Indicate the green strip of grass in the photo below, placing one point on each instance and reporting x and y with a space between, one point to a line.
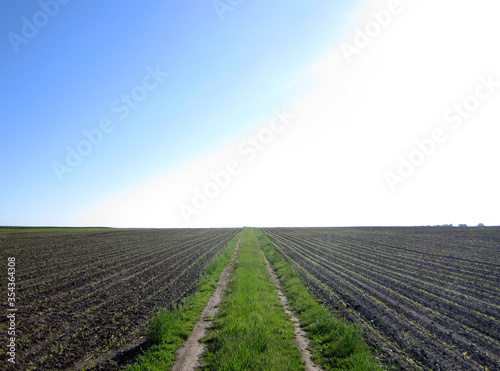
251 330
169 328
334 343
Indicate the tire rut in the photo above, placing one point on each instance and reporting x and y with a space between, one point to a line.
301 341
189 354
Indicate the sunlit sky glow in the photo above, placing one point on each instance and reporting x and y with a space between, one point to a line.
273 113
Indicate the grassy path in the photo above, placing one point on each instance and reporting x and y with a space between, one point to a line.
251 331
254 328
301 341
335 344
188 355
169 329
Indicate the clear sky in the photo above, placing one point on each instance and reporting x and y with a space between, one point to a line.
264 113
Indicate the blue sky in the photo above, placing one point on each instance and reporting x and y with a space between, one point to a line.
217 78
223 74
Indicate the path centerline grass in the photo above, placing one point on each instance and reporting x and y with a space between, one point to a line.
251 330
254 328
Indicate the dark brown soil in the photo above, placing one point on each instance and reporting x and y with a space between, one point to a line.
426 298
188 356
84 296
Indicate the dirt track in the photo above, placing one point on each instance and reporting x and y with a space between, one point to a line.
301 341
188 356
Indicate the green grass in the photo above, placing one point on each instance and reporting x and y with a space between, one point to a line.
335 344
251 330
169 328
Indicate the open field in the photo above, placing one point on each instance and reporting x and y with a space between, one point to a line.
427 298
83 293
254 329
173 333
424 297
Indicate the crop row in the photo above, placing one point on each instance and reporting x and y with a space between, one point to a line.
87 293
436 308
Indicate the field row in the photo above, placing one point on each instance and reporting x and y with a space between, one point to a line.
84 293
437 306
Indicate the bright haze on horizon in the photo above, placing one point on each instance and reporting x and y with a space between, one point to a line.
264 113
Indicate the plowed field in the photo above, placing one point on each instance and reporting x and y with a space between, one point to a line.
85 293
427 298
